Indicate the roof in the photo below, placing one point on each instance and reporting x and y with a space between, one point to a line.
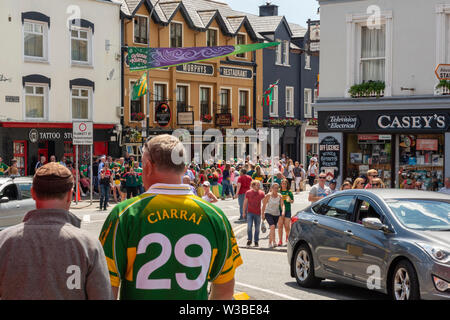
391 194
201 13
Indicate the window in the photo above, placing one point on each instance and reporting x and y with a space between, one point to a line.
141 30
307 61
338 207
289 101
81 47
316 96
182 99
278 53
176 35
225 95
365 209
35 40
373 54
35 101
81 101
25 190
211 38
243 103
240 39
274 106
135 105
159 95
308 103
205 101
286 52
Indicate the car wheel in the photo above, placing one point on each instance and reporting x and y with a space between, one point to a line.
404 282
304 268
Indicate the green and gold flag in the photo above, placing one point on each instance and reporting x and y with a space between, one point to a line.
140 88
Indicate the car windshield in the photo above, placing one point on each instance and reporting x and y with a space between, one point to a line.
422 214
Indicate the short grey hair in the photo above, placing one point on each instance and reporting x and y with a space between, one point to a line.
166 152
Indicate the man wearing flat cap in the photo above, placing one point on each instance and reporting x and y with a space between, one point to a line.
48 256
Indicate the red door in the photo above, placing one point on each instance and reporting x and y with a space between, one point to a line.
43 150
100 148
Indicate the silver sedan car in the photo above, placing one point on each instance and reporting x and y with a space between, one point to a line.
15 200
392 241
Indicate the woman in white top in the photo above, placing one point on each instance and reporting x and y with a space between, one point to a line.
272 204
313 171
209 196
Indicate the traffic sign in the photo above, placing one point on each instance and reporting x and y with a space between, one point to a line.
443 72
83 133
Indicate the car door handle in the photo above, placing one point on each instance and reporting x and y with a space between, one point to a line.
349 233
316 222
18 206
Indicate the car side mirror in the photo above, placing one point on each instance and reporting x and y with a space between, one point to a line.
373 224
4 200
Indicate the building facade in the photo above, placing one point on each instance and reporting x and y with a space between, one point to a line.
223 93
62 65
378 107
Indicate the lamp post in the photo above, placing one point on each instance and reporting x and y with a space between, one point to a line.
148 71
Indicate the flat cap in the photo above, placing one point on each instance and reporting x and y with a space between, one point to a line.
52 178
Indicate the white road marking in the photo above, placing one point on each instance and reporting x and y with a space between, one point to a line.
87 218
267 291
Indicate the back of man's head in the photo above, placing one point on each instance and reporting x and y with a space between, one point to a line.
166 152
52 182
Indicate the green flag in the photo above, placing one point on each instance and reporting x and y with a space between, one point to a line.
268 95
140 88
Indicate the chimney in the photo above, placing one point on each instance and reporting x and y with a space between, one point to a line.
268 10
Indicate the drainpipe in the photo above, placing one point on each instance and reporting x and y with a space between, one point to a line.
254 88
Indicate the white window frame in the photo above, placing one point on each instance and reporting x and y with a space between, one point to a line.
154 97
211 102
307 61
248 104
217 35
46 100
230 98
182 32
90 103
90 41
354 24
44 39
290 110
146 31
246 42
286 53
316 96
188 98
130 97
307 103
274 111
279 54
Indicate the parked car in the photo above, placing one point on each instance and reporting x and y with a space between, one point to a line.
15 200
392 241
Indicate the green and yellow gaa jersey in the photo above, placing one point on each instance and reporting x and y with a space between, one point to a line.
167 244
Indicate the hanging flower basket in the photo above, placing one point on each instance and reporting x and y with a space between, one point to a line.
289 122
138 116
245 119
206 118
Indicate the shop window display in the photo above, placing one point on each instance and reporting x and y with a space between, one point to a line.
421 162
369 151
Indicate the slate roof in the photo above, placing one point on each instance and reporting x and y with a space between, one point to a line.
201 13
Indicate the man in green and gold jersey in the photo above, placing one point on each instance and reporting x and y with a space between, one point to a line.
167 243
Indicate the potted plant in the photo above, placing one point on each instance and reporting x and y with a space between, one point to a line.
368 89
445 85
206 118
137 116
244 119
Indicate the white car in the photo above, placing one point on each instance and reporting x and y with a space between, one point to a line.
15 200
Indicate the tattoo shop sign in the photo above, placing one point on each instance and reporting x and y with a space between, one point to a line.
329 155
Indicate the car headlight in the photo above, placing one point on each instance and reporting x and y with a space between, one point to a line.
441 285
438 254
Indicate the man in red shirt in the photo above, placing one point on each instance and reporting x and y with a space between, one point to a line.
243 185
252 206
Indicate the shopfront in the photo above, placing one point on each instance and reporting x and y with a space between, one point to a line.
26 142
409 148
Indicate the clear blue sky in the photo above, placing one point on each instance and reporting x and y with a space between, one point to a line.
296 11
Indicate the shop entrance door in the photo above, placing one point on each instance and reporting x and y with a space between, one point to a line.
43 150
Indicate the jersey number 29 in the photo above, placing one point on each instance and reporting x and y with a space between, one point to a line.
203 261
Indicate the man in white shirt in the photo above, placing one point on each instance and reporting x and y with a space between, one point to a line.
446 189
320 190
